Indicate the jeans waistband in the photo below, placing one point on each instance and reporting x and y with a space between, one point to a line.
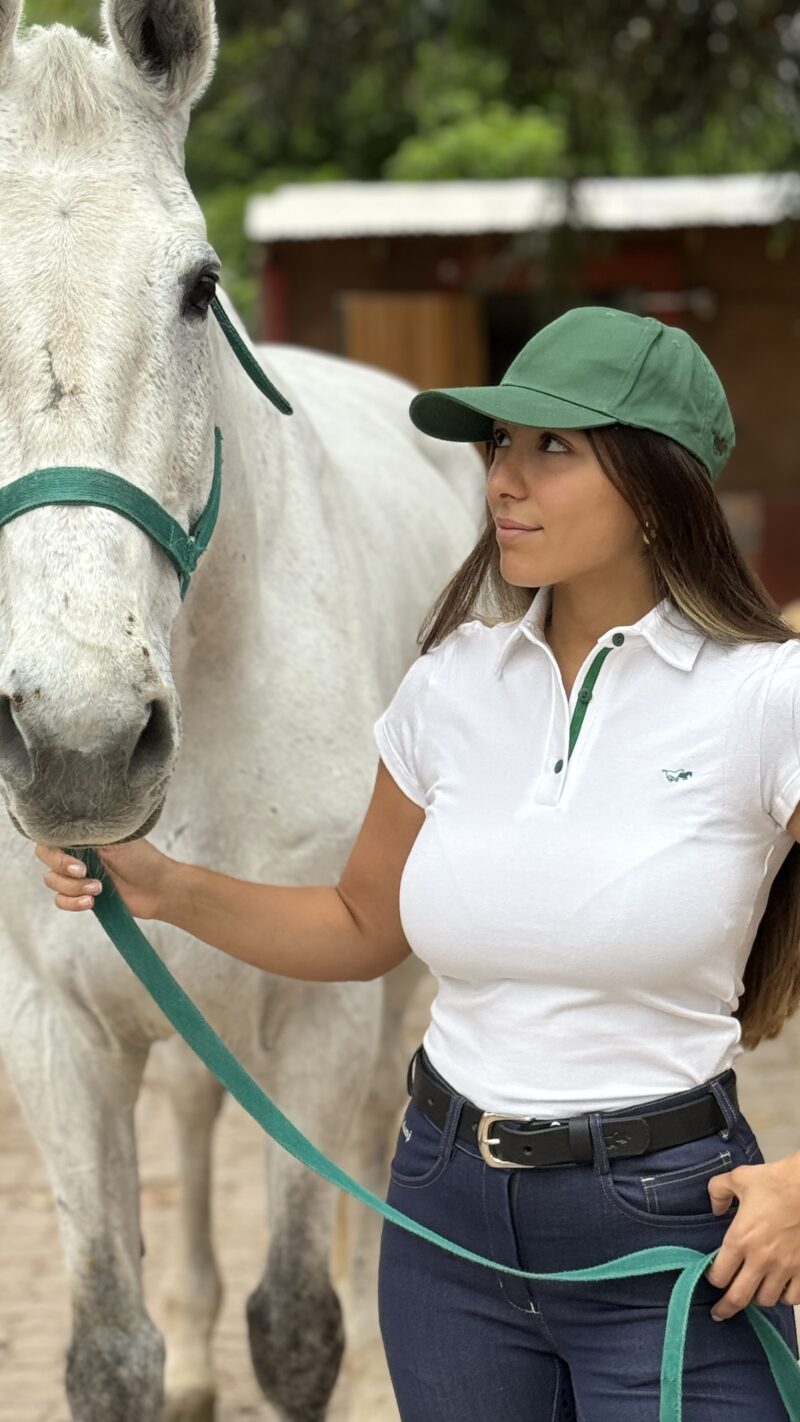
506 1140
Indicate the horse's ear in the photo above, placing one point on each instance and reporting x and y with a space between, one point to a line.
10 14
171 44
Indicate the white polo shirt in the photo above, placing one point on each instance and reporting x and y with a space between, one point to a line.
588 913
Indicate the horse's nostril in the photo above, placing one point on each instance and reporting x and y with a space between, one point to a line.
15 758
155 744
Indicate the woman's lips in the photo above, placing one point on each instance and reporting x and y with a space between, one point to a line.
505 535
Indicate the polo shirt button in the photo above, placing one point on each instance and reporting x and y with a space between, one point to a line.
584 696
618 639
559 765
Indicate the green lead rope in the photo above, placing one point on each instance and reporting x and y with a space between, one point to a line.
187 1019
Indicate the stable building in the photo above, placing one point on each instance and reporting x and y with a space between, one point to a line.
443 282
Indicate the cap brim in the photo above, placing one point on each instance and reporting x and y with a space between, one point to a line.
467 413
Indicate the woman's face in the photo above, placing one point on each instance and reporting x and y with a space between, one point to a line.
551 481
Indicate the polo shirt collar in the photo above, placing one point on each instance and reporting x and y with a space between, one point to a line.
669 632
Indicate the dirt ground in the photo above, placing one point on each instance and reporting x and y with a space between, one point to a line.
34 1314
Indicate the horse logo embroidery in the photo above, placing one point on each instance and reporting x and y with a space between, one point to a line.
678 774
407 1132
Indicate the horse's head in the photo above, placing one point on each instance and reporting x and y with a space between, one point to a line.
105 281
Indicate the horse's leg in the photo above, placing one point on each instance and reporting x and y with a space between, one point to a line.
194 1291
319 1066
78 1097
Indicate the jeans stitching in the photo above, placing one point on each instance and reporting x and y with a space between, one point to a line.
488 1220
652 1184
660 1220
539 1312
419 1182
651 1197
557 1393
534 1311
688 1172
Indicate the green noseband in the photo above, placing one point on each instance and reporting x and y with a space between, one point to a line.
73 484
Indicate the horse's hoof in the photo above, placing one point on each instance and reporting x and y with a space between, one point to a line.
296 1347
194 1406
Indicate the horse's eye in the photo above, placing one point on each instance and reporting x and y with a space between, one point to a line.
198 299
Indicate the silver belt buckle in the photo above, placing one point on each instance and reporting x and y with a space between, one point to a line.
485 1141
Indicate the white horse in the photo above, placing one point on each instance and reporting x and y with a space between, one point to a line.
339 526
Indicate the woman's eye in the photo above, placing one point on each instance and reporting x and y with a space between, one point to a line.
197 301
551 438
499 439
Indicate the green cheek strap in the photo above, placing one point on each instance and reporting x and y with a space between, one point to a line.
78 484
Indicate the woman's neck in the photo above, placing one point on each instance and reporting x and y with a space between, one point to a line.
577 619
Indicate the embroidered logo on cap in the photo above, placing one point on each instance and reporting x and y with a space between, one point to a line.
720 444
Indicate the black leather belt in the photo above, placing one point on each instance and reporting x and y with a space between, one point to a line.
553 1142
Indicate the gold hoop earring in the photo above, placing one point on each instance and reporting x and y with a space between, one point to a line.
647 540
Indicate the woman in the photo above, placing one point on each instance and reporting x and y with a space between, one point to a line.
586 811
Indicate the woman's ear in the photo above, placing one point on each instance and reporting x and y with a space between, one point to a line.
170 45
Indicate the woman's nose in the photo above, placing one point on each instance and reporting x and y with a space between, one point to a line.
507 476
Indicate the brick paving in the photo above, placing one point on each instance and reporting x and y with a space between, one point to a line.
33 1303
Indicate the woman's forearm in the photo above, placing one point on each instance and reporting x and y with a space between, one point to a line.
298 932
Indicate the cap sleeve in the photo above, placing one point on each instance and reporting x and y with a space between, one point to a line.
400 731
780 737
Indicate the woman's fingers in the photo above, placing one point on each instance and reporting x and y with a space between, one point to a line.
72 888
72 893
74 905
774 1289
60 862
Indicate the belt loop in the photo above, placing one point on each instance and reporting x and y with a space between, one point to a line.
410 1070
580 1138
726 1106
601 1161
450 1126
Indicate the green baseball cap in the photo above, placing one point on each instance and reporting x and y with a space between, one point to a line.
596 366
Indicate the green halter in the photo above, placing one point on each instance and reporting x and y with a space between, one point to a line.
75 484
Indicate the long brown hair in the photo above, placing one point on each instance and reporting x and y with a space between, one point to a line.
695 562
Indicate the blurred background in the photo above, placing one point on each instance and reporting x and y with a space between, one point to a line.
421 184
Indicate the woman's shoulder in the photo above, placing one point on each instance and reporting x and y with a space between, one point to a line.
752 672
763 658
472 645
475 635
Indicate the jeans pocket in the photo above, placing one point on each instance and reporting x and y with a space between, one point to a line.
671 1185
420 1154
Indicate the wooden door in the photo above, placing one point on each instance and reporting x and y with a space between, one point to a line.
430 338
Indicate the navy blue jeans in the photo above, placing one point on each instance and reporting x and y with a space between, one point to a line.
466 1344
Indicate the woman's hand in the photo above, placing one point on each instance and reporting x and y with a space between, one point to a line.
137 869
760 1255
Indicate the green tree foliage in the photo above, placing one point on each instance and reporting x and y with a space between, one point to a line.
83 15
414 89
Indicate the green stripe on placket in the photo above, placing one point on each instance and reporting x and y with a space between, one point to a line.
584 697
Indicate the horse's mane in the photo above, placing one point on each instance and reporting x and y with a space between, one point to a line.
67 90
